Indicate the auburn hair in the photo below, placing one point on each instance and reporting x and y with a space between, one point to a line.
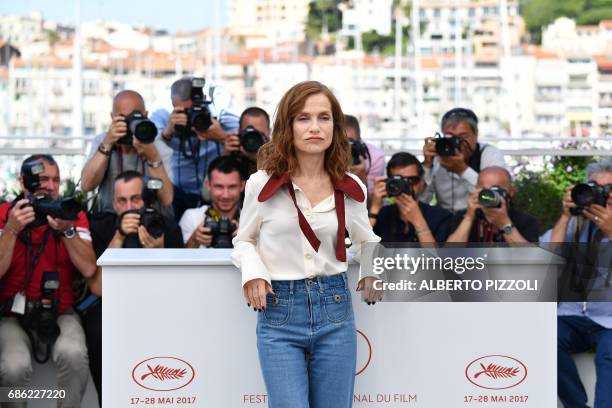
278 156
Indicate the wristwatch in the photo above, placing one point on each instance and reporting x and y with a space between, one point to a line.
70 233
154 165
506 229
104 150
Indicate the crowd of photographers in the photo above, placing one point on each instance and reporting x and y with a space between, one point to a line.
177 179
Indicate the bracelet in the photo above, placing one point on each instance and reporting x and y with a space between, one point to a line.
422 230
372 215
154 165
105 151
11 230
166 139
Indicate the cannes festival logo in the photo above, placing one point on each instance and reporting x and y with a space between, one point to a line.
496 372
163 373
364 352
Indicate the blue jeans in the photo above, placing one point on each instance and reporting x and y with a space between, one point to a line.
577 334
307 343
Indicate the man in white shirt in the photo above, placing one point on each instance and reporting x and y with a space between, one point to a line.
226 184
452 163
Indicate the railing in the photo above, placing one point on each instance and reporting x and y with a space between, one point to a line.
524 146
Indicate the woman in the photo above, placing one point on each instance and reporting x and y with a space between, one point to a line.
291 251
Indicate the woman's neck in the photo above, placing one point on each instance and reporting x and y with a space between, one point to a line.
311 166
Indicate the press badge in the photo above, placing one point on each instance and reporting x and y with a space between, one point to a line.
19 303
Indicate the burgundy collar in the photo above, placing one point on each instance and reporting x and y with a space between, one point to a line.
347 185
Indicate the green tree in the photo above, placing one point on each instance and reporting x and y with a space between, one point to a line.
539 13
322 13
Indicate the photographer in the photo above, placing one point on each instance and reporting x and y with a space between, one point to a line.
195 131
407 219
489 216
215 226
368 160
129 144
586 326
254 132
132 202
452 162
126 227
38 256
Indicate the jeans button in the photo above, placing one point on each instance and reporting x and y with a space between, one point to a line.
337 298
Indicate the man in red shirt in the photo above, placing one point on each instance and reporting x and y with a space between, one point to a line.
40 250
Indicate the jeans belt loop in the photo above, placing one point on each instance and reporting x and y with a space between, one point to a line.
291 287
345 279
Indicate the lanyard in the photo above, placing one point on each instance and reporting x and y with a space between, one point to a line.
32 261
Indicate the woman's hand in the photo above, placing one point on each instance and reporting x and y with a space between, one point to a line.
255 292
370 295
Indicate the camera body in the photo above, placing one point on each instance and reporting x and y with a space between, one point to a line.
140 128
358 149
585 194
41 314
198 116
221 229
43 205
447 146
397 185
492 197
251 139
150 218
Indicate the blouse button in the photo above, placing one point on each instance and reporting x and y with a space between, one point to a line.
308 256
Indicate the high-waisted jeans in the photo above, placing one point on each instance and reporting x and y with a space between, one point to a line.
307 343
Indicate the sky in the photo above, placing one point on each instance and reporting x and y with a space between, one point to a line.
172 15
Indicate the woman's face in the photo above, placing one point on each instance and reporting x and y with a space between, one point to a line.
313 126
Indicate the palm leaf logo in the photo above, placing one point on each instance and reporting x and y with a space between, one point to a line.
494 371
163 373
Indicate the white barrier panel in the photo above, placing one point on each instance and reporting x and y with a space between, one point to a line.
177 332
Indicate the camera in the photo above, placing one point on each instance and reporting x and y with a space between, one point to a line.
40 318
139 127
491 197
65 209
358 149
447 146
251 139
198 116
585 194
152 220
221 229
397 185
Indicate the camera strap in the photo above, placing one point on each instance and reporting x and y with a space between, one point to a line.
32 260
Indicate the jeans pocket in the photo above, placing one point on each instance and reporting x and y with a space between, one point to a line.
337 305
277 310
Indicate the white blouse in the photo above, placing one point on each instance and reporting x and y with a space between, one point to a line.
270 244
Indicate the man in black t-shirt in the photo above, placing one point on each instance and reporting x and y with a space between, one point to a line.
108 232
408 219
497 222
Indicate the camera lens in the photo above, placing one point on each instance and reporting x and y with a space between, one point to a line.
583 195
144 130
489 198
251 139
